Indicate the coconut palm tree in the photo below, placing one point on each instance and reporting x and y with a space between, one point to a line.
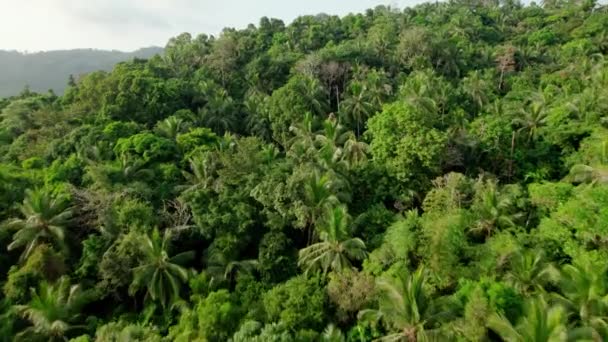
132 169
476 88
321 190
336 250
417 96
257 122
358 106
532 118
53 311
584 293
219 113
378 88
223 270
303 138
45 218
171 127
332 334
161 274
406 309
313 93
495 209
539 323
355 152
330 146
529 272
202 171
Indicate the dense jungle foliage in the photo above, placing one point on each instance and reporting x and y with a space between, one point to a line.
433 173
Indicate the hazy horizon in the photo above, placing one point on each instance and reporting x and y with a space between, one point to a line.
26 52
47 25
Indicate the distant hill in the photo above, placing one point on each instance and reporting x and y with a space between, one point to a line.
42 71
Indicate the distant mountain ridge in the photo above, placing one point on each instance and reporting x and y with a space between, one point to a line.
42 71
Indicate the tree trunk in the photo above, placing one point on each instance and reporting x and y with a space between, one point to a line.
512 153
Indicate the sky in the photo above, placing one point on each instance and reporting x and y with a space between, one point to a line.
39 25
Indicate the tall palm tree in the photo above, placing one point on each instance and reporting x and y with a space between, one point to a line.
494 208
332 334
53 310
202 170
321 190
529 272
133 170
539 323
303 137
45 218
378 88
219 113
477 88
161 274
329 143
584 292
171 127
313 93
224 270
417 96
355 152
257 122
358 106
406 309
532 118
336 249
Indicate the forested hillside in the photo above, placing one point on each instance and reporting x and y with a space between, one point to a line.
42 71
434 173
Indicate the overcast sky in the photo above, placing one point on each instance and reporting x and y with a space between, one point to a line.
35 25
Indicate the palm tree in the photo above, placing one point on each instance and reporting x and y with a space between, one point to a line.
336 249
529 272
45 218
202 168
53 310
533 118
329 142
601 41
477 88
378 88
358 106
303 137
313 93
355 152
161 274
539 323
219 113
406 309
583 288
257 122
133 170
494 208
321 190
223 270
332 334
234 268
417 95
170 127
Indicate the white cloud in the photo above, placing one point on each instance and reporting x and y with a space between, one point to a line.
35 25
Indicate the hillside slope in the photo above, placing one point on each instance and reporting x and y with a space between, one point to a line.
438 173
50 70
